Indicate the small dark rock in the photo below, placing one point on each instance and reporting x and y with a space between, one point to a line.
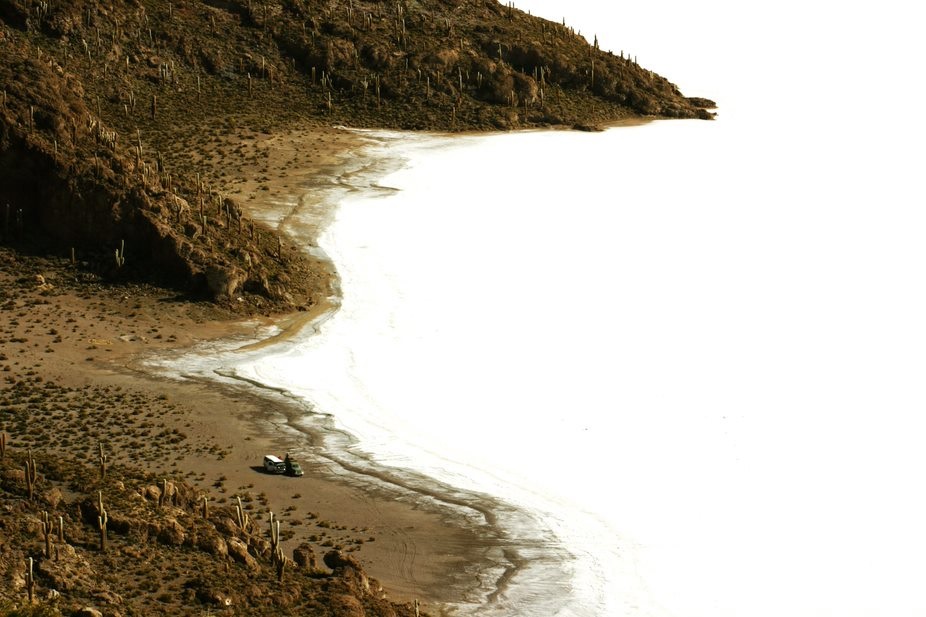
587 128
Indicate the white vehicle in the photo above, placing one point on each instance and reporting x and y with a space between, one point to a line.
273 464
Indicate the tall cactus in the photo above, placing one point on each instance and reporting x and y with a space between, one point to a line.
46 533
102 459
280 560
30 582
102 522
31 475
243 519
166 486
274 535
120 261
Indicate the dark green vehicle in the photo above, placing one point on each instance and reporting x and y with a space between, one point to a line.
291 467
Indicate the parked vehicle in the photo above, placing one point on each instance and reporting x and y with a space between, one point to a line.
273 464
292 468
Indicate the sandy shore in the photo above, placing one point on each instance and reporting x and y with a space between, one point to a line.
92 339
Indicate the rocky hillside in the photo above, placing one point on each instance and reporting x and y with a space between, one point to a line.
103 104
81 541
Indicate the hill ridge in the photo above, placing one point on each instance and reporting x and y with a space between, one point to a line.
103 105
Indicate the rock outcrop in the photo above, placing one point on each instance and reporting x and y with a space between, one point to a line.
169 556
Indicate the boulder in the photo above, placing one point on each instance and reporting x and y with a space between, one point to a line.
238 551
125 525
53 497
171 533
89 511
226 525
65 552
223 282
151 492
213 544
348 568
304 556
214 597
259 546
337 560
